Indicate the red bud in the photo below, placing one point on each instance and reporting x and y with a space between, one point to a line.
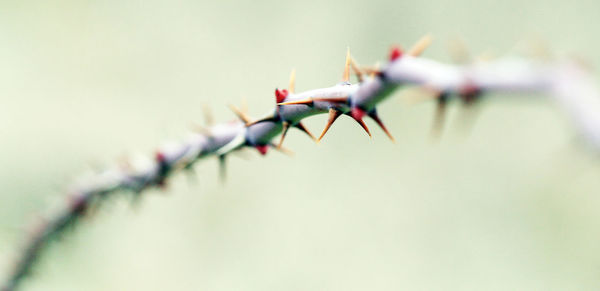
160 157
395 53
280 95
262 149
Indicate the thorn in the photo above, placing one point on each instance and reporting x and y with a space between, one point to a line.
459 53
200 129
286 127
283 150
420 46
356 68
364 126
357 113
395 53
280 95
208 116
376 118
270 118
262 149
292 84
466 119
372 71
377 68
343 99
310 101
239 113
536 47
301 127
346 76
222 169
333 115
244 106
440 113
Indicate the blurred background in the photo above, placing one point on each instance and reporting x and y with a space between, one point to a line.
511 205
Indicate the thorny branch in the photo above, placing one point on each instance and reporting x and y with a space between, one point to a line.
563 80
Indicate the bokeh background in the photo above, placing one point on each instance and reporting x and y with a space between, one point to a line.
512 205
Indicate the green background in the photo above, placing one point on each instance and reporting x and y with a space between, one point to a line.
512 206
